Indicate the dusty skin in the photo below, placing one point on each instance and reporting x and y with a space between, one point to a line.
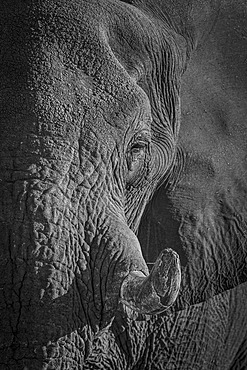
123 185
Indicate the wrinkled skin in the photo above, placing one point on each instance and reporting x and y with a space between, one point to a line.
108 107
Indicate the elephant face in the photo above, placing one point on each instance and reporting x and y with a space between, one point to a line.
82 151
90 114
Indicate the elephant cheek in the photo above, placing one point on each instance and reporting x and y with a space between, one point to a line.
42 314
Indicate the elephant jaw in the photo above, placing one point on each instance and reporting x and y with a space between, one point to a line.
155 293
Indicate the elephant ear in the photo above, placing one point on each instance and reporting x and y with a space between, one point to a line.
204 225
200 210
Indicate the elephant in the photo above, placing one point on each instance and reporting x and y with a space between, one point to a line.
122 184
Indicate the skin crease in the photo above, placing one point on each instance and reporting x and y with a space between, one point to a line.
79 82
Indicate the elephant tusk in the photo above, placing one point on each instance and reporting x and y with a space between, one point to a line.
155 293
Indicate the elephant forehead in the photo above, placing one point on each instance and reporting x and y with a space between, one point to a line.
65 62
106 67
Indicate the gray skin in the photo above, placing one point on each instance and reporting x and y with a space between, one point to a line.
107 108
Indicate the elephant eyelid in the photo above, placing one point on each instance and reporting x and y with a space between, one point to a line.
140 141
143 136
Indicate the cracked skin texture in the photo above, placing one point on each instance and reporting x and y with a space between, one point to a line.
79 81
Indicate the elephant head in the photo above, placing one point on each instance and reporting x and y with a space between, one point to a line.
82 150
90 113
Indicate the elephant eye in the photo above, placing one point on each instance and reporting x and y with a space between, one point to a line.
137 152
137 157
